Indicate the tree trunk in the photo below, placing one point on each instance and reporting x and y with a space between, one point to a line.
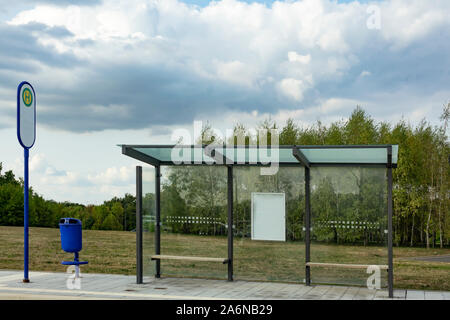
212 202
412 232
428 227
440 228
434 239
407 235
421 231
441 197
427 230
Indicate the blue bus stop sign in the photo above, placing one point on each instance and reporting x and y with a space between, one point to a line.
26 133
26 115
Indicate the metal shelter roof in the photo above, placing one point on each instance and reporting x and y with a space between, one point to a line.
310 156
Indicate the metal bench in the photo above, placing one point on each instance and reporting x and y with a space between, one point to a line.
341 265
190 258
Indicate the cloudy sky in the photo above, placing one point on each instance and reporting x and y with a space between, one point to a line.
111 72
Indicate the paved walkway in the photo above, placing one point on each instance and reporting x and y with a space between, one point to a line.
440 258
46 285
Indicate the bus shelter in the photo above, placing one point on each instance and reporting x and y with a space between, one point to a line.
308 214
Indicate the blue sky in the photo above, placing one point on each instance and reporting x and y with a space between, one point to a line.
115 71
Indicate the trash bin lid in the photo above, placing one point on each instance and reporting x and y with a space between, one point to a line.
69 221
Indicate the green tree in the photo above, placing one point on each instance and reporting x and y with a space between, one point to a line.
117 211
111 223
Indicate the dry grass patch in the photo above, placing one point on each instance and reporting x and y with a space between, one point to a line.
115 252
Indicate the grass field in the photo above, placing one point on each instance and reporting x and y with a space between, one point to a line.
114 252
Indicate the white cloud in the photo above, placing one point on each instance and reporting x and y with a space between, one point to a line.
160 64
77 186
293 88
113 176
327 111
112 110
406 22
241 44
295 57
236 72
68 179
38 163
365 73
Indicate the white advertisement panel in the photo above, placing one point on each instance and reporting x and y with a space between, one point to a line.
268 216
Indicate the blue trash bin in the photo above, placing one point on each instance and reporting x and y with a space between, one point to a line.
71 241
71 237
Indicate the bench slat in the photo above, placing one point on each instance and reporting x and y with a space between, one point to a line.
341 265
205 259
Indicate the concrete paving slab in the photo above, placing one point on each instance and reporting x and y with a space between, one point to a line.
335 293
365 294
434 295
316 293
47 285
350 293
415 295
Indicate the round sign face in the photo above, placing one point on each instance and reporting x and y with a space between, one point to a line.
26 115
27 97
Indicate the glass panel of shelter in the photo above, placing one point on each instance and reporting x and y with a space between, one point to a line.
349 223
148 220
193 220
269 260
349 220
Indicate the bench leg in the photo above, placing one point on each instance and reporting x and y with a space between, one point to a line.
308 275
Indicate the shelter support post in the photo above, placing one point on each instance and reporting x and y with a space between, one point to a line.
230 223
158 219
139 265
307 225
390 213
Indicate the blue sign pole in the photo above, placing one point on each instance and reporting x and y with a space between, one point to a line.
25 220
26 133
